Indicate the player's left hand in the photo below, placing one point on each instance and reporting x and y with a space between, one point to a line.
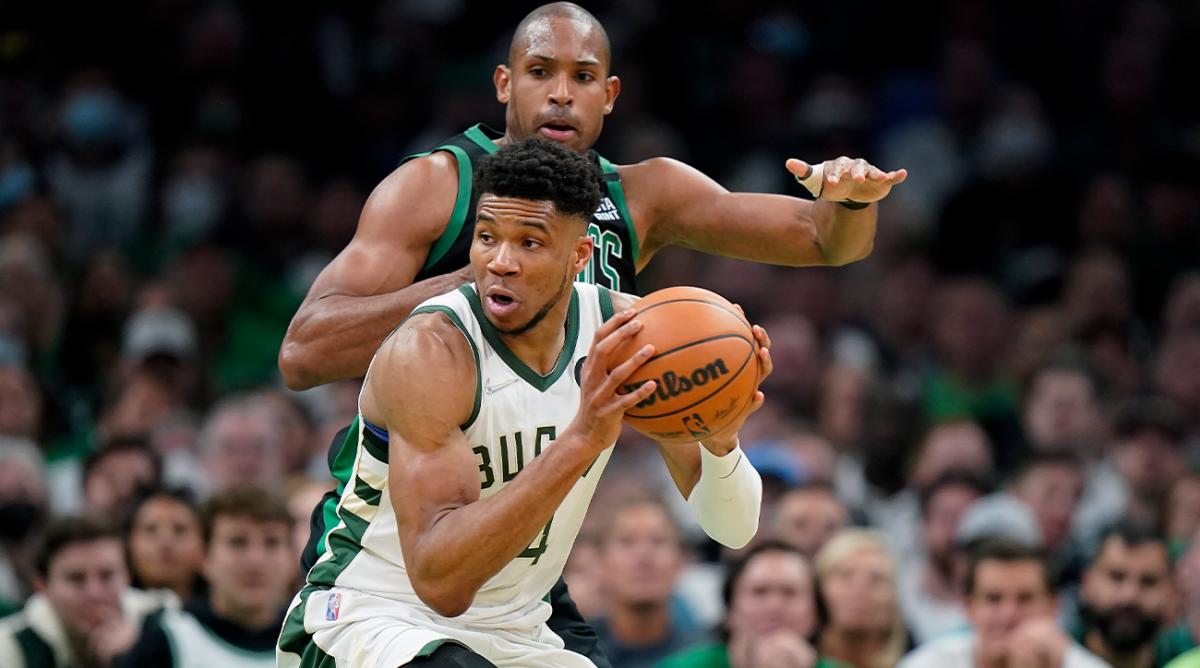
725 440
845 178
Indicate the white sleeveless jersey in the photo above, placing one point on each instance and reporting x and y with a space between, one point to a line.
518 415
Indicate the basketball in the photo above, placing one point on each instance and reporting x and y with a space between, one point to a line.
704 364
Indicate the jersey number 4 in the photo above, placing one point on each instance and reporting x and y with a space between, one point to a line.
538 546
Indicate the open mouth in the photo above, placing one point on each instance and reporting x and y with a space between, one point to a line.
556 130
502 300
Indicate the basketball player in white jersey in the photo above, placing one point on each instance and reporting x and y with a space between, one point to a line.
443 555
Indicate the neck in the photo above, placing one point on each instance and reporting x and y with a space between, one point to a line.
853 647
639 624
1142 657
253 619
182 589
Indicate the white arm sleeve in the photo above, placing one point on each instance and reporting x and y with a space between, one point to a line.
728 497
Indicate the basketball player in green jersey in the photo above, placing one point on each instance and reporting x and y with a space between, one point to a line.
412 237
485 423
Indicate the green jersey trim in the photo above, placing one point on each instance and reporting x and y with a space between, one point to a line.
476 135
461 203
606 304
35 650
449 312
542 383
617 193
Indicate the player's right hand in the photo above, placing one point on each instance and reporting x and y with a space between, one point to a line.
601 406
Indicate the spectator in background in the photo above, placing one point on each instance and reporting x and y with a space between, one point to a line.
1011 602
250 569
856 584
1128 598
116 474
1181 520
84 613
240 444
1177 377
1146 458
23 505
930 589
807 517
1062 409
20 403
166 549
640 559
1186 634
770 614
1051 484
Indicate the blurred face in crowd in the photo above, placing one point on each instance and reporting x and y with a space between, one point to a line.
774 593
953 446
166 548
807 518
641 557
84 583
1183 508
860 592
1187 571
1178 371
116 479
1061 410
556 83
1150 460
1006 594
946 506
971 329
1127 593
241 448
20 403
1098 290
249 566
1051 490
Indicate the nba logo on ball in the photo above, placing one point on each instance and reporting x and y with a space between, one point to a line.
333 608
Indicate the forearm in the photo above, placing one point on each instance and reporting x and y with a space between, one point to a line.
727 498
466 546
843 235
333 338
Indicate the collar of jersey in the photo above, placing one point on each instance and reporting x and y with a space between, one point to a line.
484 136
542 383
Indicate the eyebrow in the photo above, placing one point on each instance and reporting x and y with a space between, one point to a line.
530 222
583 61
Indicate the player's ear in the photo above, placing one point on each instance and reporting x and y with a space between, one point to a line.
583 250
612 88
502 78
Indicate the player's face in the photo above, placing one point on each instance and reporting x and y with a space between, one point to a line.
1005 595
84 584
249 564
525 256
165 544
557 84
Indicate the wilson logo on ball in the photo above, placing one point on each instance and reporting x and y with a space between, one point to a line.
672 385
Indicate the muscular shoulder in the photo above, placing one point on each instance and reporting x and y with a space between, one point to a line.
417 198
423 374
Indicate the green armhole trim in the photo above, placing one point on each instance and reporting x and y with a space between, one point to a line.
449 312
35 650
433 646
343 464
606 305
476 135
461 203
617 193
542 383
293 638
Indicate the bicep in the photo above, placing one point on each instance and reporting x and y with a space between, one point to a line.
687 208
400 222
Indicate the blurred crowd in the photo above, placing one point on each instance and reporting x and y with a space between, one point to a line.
987 432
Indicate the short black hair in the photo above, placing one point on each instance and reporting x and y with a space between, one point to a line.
248 501
1007 551
64 532
136 444
1133 534
1037 458
541 170
953 478
738 568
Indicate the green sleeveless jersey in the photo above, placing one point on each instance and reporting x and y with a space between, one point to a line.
614 262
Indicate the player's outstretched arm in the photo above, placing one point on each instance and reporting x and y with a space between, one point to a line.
367 289
675 204
453 542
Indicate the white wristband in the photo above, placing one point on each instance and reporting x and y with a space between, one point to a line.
728 497
814 182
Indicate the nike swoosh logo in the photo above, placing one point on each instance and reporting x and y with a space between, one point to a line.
492 389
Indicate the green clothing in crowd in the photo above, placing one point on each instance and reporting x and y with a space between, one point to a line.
715 656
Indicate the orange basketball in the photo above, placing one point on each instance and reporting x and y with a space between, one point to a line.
704 363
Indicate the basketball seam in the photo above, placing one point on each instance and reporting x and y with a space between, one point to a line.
705 397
